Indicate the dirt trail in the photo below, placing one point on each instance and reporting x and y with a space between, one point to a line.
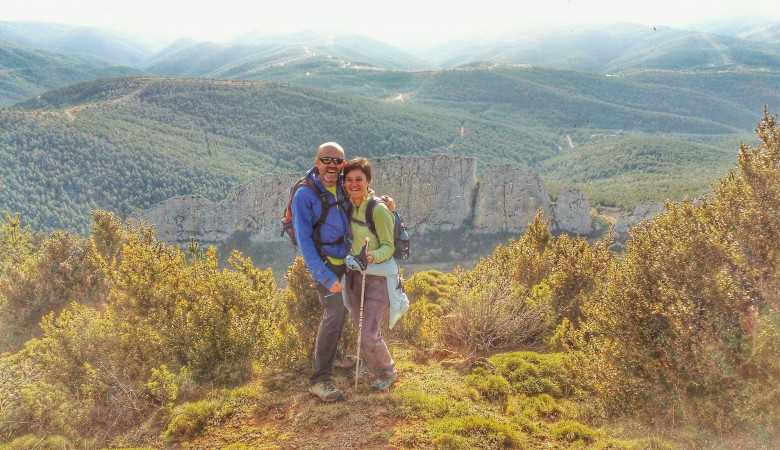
284 415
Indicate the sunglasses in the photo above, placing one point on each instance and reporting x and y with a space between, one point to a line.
328 159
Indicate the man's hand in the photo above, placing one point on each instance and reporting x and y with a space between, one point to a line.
389 202
335 288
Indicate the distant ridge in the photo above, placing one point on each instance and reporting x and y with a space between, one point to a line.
252 52
115 48
25 72
613 48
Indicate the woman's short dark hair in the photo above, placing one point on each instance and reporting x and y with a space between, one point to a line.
358 163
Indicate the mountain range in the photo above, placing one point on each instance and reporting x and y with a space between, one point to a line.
624 112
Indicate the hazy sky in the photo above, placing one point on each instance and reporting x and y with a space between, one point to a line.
399 22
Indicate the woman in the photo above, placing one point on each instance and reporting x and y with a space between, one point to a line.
380 262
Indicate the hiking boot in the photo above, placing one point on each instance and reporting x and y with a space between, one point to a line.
326 391
382 384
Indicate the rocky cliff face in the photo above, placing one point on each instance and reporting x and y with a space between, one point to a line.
572 212
508 200
434 194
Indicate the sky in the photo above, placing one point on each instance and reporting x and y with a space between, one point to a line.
399 22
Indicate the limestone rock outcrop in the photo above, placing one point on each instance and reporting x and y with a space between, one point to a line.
508 200
434 194
571 212
254 207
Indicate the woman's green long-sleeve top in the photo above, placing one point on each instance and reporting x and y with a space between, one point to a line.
381 246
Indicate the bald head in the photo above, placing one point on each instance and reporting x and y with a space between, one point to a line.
329 148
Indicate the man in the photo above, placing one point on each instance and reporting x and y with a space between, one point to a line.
324 244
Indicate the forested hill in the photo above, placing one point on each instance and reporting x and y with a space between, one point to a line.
126 144
25 72
665 102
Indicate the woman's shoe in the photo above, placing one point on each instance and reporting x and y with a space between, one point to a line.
383 384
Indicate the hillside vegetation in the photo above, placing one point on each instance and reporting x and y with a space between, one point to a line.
668 102
125 144
674 343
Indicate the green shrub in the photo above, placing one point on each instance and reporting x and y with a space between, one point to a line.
437 287
525 423
59 272
567 430
303 313
189 419
303 307
491 387
542 405
532 373
477 431
449 442
420 325
161 314
162 386
419 404
546 277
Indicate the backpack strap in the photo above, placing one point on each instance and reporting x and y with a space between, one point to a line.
325 205
369 215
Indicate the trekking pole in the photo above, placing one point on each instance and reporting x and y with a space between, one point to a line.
360 321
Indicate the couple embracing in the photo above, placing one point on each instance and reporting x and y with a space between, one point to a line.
330 222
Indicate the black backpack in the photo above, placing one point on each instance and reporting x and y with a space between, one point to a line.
400 232
325 203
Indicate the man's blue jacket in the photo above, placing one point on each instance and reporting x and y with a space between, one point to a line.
306 210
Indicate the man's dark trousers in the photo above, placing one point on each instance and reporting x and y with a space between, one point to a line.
329 334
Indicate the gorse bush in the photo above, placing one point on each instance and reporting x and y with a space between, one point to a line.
162 314
437 287
57 273
687 321
524 289
420 325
